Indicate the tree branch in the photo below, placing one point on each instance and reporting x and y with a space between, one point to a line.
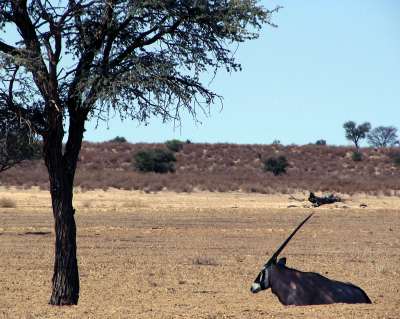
10 50
141 42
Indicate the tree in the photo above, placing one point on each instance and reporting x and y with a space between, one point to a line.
118 139
356 132
16 144
136 58
383 136
276 165
174 145
155 160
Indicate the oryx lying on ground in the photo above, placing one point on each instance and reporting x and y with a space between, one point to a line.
294 287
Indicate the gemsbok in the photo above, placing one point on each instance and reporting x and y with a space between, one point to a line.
294 287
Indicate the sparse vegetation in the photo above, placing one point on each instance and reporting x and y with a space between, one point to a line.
155 160
320 142
276 165
276 142
204 261
356 133
148 261
7 203
174 145
118 139
383 136
224 168
395 156
357 156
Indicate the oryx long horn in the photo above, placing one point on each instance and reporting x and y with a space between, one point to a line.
276 254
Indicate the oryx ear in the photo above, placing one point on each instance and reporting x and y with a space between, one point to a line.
282 261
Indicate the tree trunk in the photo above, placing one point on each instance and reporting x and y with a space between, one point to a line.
65 278
61 167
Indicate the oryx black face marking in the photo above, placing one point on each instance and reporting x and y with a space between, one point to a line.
294 287
261 282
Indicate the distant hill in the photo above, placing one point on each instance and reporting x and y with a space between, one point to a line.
225 167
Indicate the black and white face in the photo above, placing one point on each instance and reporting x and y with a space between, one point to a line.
261 282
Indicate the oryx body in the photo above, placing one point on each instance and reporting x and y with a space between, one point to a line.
294 287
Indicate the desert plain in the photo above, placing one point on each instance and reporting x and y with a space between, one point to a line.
179 255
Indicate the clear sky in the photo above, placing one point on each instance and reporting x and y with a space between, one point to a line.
326 63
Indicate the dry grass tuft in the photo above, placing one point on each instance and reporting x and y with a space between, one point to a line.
204 261
7 203
134 203
86 204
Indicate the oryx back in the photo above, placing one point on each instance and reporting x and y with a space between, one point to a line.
293 287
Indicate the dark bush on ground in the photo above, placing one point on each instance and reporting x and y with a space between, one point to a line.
395 156
174 145
320 142
155 160
276 165
276 142
118 139
356 156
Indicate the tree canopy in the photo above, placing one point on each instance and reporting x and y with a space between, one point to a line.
383 136
139 58
355 132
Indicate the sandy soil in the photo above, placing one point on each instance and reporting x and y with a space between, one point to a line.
195 255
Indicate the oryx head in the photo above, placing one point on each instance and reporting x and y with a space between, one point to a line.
262 281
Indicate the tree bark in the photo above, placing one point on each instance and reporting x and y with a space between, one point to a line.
61 167
65 278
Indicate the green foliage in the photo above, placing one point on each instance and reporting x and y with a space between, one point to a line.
155 160
17 143
118 139
320 142
174 145
139 58
276 142
355 133
395 156
276 165
356 156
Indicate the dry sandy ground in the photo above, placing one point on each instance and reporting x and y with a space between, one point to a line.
195 255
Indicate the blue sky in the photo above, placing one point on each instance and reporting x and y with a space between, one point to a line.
326 63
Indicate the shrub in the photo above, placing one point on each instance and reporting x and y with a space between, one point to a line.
174 145
276 142
356 156
395 156
155 160
7 203
320 142
204 261
118 139
276 165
